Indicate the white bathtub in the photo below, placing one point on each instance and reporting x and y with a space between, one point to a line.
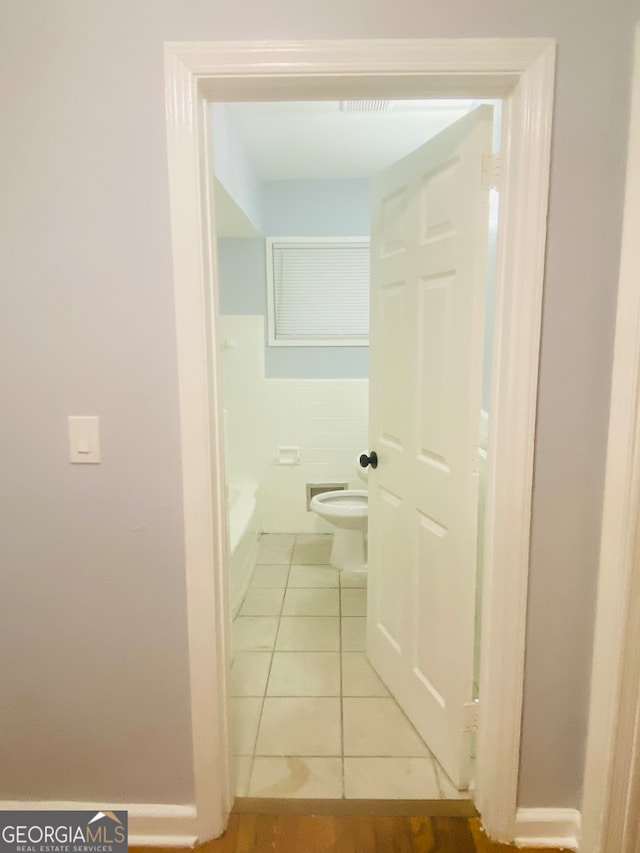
243 541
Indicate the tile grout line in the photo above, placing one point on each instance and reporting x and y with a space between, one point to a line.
432 761
231 698
315 695
344 793
324 755
435 770
339 590
439 775
266 686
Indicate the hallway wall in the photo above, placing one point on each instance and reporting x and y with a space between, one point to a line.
94 691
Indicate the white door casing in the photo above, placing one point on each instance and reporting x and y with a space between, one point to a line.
612 770
521 71
429 255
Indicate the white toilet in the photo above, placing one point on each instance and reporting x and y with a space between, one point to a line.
347 510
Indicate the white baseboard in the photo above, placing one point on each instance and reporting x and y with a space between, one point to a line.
163 840
547 828
150 825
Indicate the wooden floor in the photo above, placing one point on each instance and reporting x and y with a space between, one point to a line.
293 833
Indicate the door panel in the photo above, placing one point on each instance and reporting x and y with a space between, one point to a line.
394 386
429 242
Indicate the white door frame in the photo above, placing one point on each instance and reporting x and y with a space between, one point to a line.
612 776
521 71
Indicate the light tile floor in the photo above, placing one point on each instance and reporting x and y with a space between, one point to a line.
310 717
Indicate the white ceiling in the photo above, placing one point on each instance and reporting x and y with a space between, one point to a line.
317 140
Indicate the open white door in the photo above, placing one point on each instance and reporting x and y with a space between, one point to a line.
428 252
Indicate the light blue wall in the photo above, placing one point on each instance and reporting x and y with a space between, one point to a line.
316 208
296 209
242 276
233 167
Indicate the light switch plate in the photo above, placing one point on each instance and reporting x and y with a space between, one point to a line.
84 439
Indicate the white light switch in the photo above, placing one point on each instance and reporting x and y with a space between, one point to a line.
84 439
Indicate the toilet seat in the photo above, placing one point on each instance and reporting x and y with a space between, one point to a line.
345 503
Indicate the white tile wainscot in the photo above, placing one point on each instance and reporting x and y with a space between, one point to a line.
327 419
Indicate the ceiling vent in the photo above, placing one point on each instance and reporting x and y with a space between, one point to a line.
377 106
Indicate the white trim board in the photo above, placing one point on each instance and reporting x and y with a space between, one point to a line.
522 72
548 828
612 776
150 825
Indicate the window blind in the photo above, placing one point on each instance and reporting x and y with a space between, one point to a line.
321 290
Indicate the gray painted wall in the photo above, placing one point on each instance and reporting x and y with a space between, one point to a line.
296 209
94 684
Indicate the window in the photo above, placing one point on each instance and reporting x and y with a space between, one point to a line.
318 291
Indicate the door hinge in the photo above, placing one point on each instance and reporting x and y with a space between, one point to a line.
471 716
490 179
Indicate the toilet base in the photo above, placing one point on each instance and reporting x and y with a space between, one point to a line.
349 551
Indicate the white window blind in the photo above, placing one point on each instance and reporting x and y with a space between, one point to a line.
320 292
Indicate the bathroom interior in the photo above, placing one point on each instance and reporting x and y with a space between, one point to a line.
310 717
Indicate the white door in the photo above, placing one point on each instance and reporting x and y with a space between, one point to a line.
429 246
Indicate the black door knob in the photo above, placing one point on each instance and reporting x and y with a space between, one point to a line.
371 459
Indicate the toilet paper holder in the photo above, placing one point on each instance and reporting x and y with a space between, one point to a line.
288 455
